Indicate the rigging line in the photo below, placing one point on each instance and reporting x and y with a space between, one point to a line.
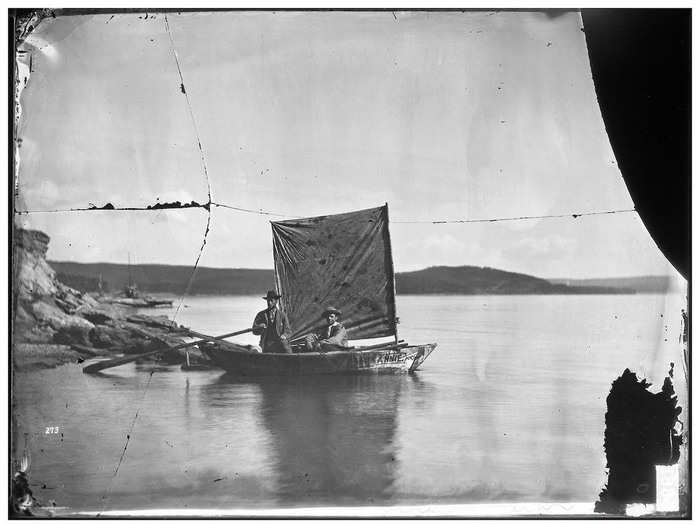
522 218
204 166
247 210
128 438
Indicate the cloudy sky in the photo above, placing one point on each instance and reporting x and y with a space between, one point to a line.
445 116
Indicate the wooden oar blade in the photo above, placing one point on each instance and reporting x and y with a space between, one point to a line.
110 363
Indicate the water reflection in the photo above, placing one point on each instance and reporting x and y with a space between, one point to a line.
532 429
332 440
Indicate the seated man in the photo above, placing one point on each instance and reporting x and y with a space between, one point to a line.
332 337
273 327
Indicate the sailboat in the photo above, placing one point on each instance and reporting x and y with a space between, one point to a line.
342 260
132 296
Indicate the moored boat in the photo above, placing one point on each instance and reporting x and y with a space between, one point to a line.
132 296
142 302
342 260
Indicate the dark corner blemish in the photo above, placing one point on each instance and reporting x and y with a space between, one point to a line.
639 434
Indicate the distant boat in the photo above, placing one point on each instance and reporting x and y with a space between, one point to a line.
132 296
342 260
141 302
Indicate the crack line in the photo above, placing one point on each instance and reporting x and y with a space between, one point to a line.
128 438
399 221
204 167
110 207
189 106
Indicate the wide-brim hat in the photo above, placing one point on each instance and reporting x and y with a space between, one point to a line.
331 310
271 294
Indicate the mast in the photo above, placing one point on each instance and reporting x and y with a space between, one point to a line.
128 254
395 320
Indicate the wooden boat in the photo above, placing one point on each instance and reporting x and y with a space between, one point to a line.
132 296
142 302
343 260
397 360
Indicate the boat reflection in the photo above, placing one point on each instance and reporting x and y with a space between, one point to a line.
332 438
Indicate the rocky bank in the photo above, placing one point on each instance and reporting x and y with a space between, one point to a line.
53 324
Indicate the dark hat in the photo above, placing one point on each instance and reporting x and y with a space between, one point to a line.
271 294
331 310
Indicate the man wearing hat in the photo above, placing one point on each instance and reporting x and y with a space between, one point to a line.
332 337
273 327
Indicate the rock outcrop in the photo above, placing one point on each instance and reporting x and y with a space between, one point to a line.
42 306
54 323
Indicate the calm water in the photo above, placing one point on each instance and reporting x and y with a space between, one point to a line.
509 408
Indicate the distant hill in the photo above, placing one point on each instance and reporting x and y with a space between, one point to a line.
641 284
468 280
474 280
166 278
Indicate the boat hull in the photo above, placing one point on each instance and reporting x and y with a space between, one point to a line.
143 303
403 360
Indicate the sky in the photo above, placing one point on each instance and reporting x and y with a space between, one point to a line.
443 115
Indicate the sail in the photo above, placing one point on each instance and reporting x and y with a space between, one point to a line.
341 260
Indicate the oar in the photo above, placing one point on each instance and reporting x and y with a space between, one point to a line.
96 367
210 338
379 345
392 346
